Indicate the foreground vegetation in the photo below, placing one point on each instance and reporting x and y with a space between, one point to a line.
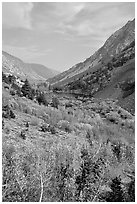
67 152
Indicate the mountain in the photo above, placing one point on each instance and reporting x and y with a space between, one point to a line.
108 74
17 67
113 46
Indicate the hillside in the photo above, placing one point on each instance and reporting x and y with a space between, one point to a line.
113 46
70 136
74 152
112 77
115 80
17 67
75 143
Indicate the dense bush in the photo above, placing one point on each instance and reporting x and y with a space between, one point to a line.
52 129
94 162
68 105
5 78
64 171
12 92
55 102
64 125
12 79
44 128
7 112
41 98
17 89
56 89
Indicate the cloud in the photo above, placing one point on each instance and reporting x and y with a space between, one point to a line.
17 14
80 18
51 16
68 11
100 19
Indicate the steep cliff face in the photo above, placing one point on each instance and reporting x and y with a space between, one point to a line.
113 46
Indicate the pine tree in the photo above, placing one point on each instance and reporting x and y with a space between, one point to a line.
26 89
116 195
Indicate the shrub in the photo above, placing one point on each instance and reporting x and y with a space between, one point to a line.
44 127
34 111
4 78
12 115
5 115
7 129
6 86
113 117
34 121
27 124
46 117
3 123
23 134
131 191
27 110
68 105
40 113
53 117
42 99
7 112
52 129
64 125
19 176
11 78
86 167
17 89
12 92
129 123
14 105
55 102
55 89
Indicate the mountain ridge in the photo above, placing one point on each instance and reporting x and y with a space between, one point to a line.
112 46
32 71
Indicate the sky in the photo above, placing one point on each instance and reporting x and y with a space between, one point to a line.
60 34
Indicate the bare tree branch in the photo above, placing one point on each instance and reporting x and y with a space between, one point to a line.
41 188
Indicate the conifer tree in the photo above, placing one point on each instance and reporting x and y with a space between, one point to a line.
26 88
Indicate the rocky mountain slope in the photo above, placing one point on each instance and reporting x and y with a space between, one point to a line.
17 67
113 46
